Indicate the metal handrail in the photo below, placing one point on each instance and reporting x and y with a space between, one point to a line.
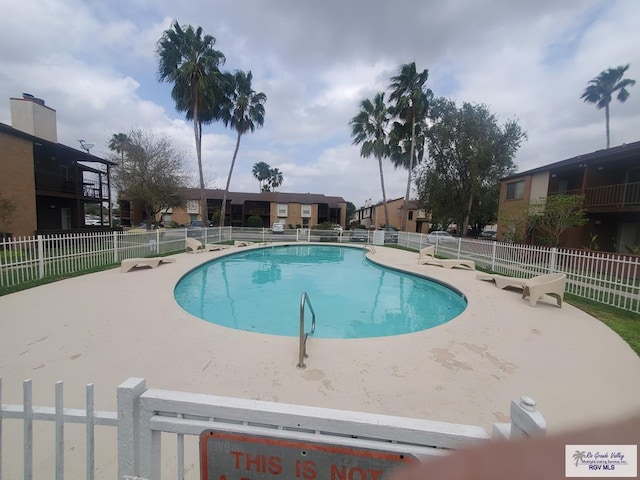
303 336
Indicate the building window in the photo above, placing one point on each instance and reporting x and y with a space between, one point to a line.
282 209
193 206
410 214
306 210
515 190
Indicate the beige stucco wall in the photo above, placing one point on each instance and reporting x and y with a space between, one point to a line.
539 186
17 183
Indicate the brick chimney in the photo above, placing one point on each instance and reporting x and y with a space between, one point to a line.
29 114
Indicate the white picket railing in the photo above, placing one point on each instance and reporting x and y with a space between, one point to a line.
144 415
609 278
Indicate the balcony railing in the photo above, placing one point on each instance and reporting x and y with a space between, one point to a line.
623 195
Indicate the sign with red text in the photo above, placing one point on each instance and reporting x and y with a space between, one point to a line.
239 456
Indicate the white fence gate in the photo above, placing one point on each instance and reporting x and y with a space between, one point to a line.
144 416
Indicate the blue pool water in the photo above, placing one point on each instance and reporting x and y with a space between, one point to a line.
259 290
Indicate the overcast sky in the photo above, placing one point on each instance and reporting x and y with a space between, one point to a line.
94 62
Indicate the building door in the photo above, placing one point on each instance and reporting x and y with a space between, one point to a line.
65 218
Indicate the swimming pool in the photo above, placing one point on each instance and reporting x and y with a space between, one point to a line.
259 290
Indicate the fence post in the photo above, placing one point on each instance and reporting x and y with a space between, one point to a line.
115 247
40 257
526 421
128 397
493 257
553 259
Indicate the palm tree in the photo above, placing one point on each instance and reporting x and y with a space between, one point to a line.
261 171
369 128
411 105
119 143
188 60
602 88
275 178
243 110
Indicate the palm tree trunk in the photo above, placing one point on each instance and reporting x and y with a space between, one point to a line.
606 118
412 152
226 190
197 132
384 195
465 222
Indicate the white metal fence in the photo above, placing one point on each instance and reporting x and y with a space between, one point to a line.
145 416
608 278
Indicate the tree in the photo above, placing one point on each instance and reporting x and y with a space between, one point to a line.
468 153
369 129
261 171
411 106
243 110
275 178
554 214
187 59
118 144
154 175
601 89
351 209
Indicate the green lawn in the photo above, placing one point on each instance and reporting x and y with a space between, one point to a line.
623 322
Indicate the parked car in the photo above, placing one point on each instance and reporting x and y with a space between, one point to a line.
336 228
277 228
440 236
360 235
488 235
198 224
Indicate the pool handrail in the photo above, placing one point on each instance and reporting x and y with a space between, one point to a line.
304 299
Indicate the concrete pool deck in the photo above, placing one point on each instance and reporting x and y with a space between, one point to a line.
105 327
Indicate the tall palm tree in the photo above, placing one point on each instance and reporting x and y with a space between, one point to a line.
369 129
411 106
275 178
119 143
261 171
187 59
602 88
243 110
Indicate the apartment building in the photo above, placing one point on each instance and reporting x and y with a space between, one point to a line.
372 215
50 184
608 179
291 209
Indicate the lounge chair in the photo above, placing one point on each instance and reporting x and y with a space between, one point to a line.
535 288
426 257
241 243
196 246
130 263
552 284
502 281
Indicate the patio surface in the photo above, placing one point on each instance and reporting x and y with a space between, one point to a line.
105 327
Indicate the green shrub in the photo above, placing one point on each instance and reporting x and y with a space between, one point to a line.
254 221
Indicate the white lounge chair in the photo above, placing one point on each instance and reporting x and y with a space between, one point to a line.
241 243
535 288
426 256
130 263
502 281
195 246
552 284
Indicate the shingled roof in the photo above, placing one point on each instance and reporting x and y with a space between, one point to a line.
622 152
239 198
